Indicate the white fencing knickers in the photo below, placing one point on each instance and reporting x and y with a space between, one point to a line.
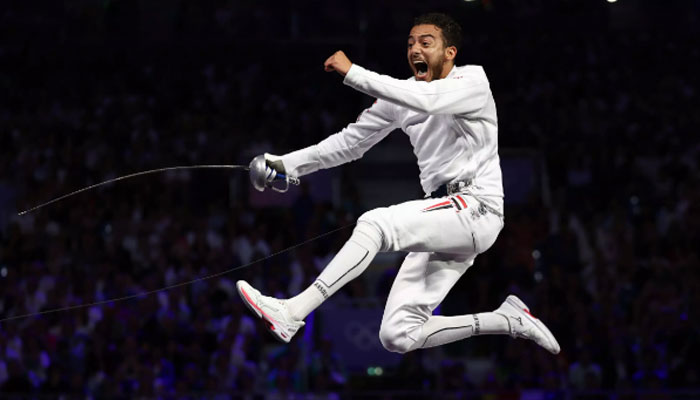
443 236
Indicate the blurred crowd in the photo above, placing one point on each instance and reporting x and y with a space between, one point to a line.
607 255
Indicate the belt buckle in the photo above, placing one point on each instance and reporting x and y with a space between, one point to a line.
452 188
456 187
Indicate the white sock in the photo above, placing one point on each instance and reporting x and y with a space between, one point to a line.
439 330
348 264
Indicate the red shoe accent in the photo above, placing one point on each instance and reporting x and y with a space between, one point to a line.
528 313
250 301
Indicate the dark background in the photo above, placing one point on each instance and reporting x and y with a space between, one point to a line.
598 113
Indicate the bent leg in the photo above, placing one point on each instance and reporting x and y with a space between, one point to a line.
420 286
448 225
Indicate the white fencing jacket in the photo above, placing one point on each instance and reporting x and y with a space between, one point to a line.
451 123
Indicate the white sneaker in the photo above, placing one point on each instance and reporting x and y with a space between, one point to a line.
271 310
524 325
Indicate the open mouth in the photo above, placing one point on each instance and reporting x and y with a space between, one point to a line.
421 68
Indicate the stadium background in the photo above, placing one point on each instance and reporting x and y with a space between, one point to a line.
598 110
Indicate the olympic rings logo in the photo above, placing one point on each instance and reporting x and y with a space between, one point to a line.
362 336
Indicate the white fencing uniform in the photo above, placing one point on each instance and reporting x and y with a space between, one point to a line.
453 127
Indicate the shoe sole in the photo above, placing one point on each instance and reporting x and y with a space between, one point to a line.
524 311
270 324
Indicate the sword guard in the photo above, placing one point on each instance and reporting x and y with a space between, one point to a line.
259 176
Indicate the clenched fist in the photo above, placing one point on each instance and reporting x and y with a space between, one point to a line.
337 62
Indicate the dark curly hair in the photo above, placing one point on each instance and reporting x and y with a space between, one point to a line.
451 31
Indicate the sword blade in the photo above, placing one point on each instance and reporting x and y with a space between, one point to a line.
135 174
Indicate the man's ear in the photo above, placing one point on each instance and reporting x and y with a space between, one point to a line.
450 53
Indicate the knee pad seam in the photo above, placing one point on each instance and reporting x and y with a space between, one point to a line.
402 342
371 232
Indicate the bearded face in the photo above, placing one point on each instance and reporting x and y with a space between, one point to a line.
428 56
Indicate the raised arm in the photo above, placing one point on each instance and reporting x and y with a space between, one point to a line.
465 93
